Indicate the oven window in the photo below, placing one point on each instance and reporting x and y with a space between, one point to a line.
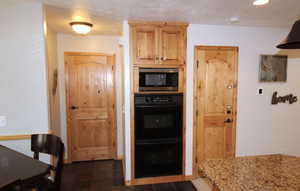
158 160
159 121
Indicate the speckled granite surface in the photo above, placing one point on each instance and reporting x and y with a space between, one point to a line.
257 173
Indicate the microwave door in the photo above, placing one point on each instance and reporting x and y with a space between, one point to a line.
158 81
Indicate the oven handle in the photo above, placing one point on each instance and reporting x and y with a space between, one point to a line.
157 142
157 106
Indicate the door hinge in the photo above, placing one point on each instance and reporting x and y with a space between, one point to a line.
197 63
197 112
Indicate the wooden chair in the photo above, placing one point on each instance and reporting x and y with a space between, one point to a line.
52 145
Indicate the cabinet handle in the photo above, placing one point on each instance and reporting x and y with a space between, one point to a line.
139 52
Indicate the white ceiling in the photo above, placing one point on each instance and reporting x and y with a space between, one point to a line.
106 15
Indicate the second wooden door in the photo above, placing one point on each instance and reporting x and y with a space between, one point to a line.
216 83
90 96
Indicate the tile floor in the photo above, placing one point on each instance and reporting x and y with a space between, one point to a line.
108 176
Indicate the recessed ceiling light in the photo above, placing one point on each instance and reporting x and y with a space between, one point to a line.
260 2
81 27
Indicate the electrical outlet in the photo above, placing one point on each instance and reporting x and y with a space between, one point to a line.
3 121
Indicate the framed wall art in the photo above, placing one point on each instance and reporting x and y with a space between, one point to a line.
273 68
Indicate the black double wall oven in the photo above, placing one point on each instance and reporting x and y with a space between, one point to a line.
158 134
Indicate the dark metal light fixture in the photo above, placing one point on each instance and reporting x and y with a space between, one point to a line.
293 39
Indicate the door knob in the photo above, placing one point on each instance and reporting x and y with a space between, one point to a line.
229 86
74 107
228 120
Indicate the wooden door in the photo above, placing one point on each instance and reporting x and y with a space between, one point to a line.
215 97
90 103
145 44
172 45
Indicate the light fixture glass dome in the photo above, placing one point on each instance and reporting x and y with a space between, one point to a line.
81 27
260 2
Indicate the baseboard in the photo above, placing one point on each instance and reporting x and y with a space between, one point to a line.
67 161
120 157
124 171
157 180
190 177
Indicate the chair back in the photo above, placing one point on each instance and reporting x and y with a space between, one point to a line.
52 145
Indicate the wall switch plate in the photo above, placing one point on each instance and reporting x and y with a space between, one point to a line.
260 91
3 121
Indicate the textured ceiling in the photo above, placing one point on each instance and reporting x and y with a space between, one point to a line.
107 15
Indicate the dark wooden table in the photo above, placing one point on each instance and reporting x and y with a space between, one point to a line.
17 166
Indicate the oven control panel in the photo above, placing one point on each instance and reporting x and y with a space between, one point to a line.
161 99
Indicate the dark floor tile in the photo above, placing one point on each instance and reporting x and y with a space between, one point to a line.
184 186
122 188
163 187
142 188
108 176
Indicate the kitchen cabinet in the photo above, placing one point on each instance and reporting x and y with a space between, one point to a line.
158 44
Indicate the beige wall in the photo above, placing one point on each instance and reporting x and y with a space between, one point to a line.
262 128
100 44
53 93
23 76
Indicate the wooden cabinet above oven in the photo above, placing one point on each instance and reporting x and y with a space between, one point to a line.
158 43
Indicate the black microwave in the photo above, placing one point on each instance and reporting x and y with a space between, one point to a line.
158 79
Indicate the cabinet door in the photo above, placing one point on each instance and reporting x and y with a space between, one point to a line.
145 44
172 45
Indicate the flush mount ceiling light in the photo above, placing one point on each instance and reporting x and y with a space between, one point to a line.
293 39
260 2
234 20
81 27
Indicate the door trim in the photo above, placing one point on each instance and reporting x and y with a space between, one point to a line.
68 119
195 99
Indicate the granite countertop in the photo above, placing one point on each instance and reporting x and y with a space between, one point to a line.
255 173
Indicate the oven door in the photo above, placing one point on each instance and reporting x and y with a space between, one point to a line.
158 122
158 159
